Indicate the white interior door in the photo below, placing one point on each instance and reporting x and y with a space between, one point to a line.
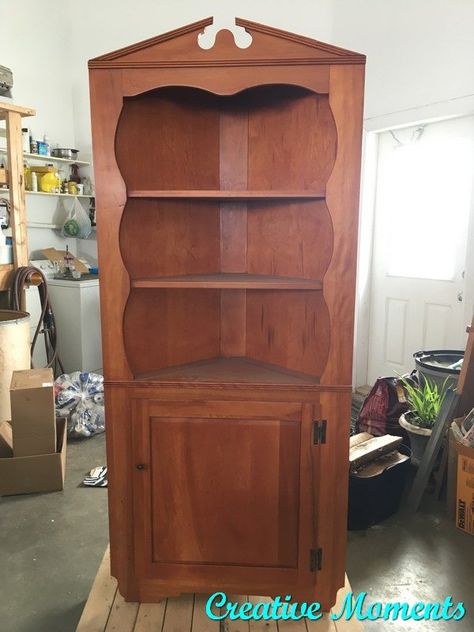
422 283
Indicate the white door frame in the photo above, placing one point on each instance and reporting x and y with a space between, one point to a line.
462 106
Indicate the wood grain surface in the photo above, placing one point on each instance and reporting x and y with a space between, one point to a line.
227 190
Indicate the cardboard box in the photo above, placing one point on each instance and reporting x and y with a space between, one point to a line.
33 413
461 483
39 473
6 439
58 255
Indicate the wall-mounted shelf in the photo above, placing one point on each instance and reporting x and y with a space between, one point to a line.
44 225
70 195
81 163
48 225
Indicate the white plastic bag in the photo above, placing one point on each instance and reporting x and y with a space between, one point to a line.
77 224
80 398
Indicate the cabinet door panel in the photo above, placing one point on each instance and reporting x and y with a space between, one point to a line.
225 491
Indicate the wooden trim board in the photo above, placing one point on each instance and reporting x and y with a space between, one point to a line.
106 611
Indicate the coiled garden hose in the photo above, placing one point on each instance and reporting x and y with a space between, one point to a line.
46 323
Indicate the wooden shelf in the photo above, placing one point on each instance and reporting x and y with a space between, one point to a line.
229 371
9 108
229 281
228 195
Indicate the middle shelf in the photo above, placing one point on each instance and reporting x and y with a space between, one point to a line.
229 281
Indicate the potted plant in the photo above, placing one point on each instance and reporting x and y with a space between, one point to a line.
424 403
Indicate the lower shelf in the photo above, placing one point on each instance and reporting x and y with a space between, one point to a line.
229 371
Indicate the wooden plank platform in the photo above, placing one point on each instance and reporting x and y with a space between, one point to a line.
106 611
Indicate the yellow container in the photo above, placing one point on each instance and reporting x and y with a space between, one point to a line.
50 182
40 171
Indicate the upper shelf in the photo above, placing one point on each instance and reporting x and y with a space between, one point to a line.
227 195
229 281
81 163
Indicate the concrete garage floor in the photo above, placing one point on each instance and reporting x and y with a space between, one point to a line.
51 546
414 557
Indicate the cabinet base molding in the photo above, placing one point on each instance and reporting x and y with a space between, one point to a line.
105 607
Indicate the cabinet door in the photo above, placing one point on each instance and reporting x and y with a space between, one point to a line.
223 492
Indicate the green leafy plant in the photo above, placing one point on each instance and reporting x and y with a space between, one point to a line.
424 401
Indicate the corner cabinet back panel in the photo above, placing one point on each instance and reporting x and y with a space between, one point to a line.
183 138
169 140
227 186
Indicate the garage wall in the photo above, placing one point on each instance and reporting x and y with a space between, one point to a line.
35 45
418 53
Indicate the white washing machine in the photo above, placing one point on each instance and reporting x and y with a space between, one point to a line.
77 313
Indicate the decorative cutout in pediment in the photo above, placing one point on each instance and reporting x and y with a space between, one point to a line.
207 38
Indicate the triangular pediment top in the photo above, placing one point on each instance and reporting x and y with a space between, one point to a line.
297 39
181 47
151 42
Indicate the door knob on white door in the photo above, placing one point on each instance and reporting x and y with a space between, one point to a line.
460 297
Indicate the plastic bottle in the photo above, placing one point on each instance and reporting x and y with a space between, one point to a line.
34 181
25 137
27 175
68 261
48 146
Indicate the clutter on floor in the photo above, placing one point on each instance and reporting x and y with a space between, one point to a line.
97 477
33 444
80 398
378 469
461 472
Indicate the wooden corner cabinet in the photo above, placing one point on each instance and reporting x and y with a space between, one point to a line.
227 184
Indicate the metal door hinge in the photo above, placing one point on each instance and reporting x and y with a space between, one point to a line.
319 431
315 560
